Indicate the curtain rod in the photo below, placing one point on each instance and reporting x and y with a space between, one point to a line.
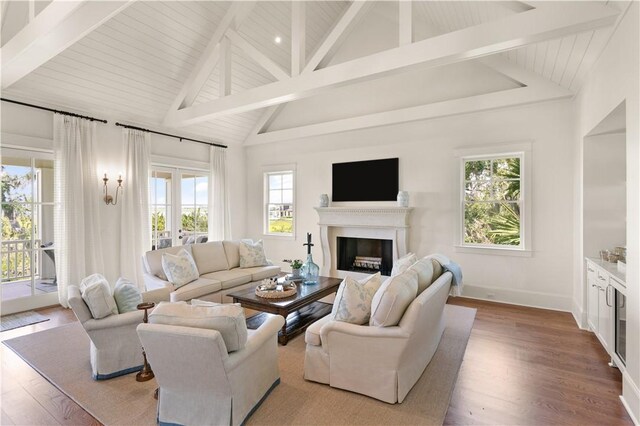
126 126
53 110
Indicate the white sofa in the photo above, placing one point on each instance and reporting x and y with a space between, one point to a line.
115 348
218 263
380 362
200 382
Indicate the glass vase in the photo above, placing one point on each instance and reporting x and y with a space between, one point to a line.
310 271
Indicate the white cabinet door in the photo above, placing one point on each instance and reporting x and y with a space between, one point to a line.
593 294
605 311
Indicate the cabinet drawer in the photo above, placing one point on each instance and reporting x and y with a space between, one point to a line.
591 271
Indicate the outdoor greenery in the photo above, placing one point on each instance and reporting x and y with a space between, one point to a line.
16 223
283 225
492 208
195 220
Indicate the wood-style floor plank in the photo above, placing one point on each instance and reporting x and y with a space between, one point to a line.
528 366
522 366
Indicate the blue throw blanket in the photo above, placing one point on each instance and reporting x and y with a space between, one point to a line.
454 268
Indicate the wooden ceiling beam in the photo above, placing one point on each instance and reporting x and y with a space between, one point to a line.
263 60
298 36
58 26
553 21
405 22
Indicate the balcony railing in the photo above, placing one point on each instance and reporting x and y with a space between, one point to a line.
17 257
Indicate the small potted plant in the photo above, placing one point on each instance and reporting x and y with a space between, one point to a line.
296 264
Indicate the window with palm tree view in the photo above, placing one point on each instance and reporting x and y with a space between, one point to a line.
279 203
492 201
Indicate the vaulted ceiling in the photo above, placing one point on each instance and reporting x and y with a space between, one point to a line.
257 72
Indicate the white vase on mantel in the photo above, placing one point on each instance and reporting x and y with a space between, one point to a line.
324 200
403 199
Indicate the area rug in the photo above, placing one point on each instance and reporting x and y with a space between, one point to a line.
9 322
61 355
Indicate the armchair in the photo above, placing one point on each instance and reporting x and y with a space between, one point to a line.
200 382
115 348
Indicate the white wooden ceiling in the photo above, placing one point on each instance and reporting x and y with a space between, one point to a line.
134 65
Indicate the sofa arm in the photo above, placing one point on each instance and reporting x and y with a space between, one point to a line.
362 330
151 282
365 341
268 330
113 321
162 294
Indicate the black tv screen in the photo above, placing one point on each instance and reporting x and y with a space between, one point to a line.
373 180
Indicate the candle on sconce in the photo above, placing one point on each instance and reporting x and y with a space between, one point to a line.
309 237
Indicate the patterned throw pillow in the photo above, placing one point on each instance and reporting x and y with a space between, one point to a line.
127 295
353 300
252 254
403 263
180 269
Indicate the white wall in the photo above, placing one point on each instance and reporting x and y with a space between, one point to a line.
428 170
613 80
18 121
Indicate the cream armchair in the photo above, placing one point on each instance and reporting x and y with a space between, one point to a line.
202 384
380 362
115 348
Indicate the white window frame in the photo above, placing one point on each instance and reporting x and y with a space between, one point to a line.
521 150
266 172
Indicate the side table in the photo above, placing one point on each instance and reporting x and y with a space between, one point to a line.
146 373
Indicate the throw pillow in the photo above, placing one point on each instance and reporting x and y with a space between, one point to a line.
403 263
127 295
353 299
393 298
99 300
180 269
228 319
91 279
252 254
424 269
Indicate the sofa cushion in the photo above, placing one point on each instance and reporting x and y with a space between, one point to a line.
403 263
197 288
353 299
99 300
261 272
312 335
127 295
424 269
232 278
210 257
252 254
180 268
228 319
232 250
437 270
153 260
393 298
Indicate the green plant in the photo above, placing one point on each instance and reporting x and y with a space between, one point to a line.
296 264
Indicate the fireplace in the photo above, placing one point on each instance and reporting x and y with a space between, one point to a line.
389 224
366 255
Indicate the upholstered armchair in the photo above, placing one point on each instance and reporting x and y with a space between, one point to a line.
115 348
200 382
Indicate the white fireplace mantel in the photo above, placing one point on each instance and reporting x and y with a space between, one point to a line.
365 222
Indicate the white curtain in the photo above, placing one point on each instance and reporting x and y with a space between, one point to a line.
77 196
135 232
219 228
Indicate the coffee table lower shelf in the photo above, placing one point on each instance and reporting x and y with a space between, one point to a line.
297 321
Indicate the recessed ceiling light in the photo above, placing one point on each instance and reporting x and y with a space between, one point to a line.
278 39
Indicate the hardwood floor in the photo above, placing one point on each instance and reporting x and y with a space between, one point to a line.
522 366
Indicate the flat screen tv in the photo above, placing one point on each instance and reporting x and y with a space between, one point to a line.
373 180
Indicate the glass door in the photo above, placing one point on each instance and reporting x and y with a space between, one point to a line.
179 202
27 249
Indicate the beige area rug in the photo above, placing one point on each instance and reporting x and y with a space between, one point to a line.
61 355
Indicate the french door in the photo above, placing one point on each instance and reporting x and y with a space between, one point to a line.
27 247
179 206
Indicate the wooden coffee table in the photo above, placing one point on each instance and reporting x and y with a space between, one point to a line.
299 310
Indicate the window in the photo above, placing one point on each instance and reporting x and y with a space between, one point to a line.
492 201
279 203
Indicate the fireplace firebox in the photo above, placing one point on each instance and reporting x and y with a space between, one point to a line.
365 255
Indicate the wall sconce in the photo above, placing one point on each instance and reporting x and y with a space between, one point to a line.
108 199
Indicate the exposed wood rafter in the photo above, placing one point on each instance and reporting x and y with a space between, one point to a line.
225 67
405 22
552 21
298 39
255 54
56 27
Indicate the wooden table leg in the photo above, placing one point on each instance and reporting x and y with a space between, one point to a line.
282 336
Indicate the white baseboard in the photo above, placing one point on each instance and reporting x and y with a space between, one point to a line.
519 297
580 316
630 397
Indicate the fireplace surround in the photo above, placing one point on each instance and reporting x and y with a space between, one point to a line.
381 223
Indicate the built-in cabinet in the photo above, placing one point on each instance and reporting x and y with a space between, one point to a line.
606 293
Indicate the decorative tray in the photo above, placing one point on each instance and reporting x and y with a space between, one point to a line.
280 292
